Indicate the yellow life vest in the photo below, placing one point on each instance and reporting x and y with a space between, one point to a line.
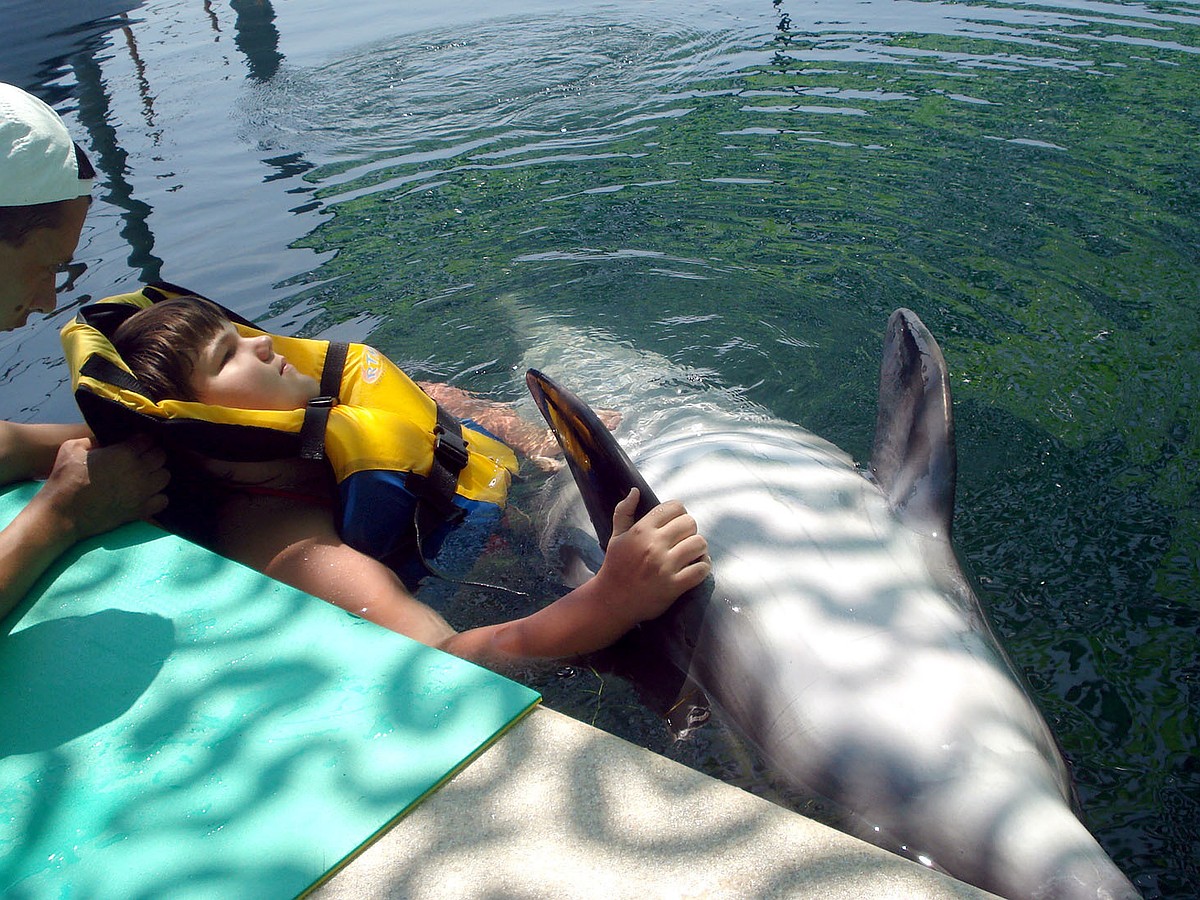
389 445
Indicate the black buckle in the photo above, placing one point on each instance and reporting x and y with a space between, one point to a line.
312 429
450 448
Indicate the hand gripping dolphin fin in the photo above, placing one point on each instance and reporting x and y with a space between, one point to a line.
913 459
604 475
601 469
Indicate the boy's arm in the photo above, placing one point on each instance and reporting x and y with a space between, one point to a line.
648 565
298 544
88 491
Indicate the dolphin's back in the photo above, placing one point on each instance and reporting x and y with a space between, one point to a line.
840 636
834 611
849 648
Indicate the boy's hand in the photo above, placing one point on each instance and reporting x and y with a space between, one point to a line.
650 562
94 489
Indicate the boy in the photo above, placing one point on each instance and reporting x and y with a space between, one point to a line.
277 516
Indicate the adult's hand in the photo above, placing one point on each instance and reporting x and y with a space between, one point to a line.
89 490
94 489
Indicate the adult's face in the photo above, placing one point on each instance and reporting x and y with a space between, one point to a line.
28 272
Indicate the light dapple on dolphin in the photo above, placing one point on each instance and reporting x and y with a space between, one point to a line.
839 635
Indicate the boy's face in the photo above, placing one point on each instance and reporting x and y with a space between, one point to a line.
247 373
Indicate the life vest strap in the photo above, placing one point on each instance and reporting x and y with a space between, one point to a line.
435 494
105 370
316 414
449 448
333 368
437 489
312 429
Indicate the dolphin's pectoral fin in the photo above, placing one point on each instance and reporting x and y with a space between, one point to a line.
578 556
913 459
599 466
604 476
661 686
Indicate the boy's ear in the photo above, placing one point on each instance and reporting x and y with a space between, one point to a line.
107 317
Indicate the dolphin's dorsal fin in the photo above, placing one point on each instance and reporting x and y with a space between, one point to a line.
913 459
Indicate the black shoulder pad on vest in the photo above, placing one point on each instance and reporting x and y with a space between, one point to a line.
107 317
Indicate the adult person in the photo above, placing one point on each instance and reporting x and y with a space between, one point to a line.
45 185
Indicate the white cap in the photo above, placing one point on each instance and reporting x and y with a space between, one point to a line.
39 163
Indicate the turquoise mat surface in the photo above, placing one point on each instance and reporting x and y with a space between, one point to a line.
173 724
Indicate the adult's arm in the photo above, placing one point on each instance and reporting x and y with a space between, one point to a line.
535 441
28 451
88 490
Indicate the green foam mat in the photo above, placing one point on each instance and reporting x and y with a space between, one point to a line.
173 724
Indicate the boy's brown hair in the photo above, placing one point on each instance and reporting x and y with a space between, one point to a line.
160 344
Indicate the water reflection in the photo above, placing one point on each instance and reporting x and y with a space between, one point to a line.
257 37
112 160
52 33
139 65
63 40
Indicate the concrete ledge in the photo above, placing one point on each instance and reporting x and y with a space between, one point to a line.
558 809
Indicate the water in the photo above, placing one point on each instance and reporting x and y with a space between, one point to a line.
748 189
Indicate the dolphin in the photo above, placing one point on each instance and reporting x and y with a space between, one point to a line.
838 634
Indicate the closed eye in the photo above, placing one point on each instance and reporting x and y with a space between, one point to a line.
226 348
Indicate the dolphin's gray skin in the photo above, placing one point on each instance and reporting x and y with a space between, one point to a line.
839 635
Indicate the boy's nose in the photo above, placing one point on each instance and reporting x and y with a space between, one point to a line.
266 349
